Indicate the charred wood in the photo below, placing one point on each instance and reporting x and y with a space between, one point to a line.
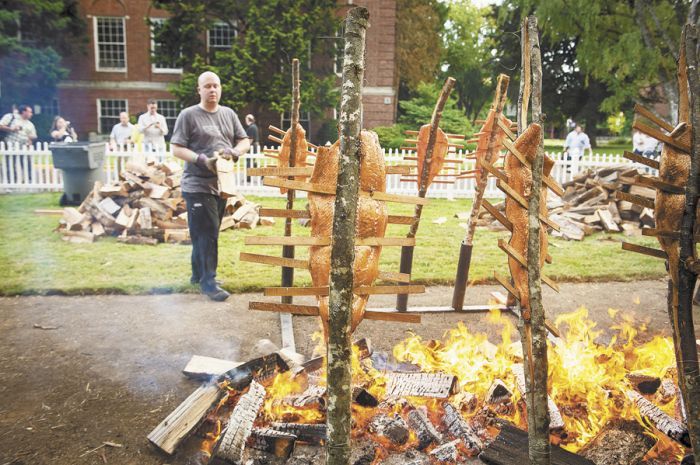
311 434
393 428
671 427
240 424
425 430
459 428
618 443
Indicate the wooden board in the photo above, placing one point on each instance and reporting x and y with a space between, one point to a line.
497 214
396 277
399 169
523 203
284 213
316 188
643 111
436 385
363 290
635 199
204 368
184 419
385 197
642 160
280 171
644 250
493 170
313 310
398 219
656 183
546 180
321 241
275 261
660 136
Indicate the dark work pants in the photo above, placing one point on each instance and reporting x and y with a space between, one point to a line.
204 213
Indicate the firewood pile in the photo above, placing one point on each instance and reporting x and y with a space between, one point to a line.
590 204
146 207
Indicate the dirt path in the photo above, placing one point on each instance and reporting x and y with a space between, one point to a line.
110 370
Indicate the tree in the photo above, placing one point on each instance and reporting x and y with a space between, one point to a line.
256 71
34 35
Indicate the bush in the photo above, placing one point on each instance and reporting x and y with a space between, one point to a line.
391 137
418 111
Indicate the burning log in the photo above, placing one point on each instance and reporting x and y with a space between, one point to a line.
499 397
313 397
204 368
458 427
393 428
273 442
618 443
556 422
465 401
257 369
183 420
511 446
425 430
311 434
439 385
365 454
445 453
363 397
644 383
671 427
240 424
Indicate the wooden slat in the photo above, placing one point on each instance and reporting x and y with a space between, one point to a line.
510 192
660 136
642 160
383 196
435 181
546 180
505 283
295 291
277 261
396 277
287 240
656 183
645 112
398 219
635 199
644 250
505 129
493 170
362 290
299 185
284 213
514 254
446 160
497 214
399 317
549 282
665 234
399 169
311 310
280 171
386 241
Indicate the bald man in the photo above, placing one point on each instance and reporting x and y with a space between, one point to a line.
201 130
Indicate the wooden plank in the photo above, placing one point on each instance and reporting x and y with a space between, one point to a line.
280 171
299 185
457 161
277 261
184 419
505 283
362 290
493 170
550 282
385 197
635 199
295 291
547 180
645 112
656 183
287 329
295 309
436 385
642 160
397 277
287 240
665 234
396 316
506 129
398 219
204 368
504 246
386 241
398 169
284 213
660 136
644 250
523 203
497 214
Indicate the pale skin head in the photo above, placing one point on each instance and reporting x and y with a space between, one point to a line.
209 89
60 123
152 107
579 130
124 118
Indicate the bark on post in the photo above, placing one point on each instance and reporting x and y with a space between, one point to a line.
288 250
536 374
406 265
683 329
343 252
465 251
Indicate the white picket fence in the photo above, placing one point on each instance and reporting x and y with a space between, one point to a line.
31 169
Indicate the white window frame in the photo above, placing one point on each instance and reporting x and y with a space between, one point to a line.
98 102
154 66
339 38
234 35
97 46
304 117
160 110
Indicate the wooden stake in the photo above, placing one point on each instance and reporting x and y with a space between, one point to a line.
642 160
339 379
643 111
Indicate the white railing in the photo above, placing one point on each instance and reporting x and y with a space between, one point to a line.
31 170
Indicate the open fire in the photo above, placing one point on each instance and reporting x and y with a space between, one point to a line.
447 400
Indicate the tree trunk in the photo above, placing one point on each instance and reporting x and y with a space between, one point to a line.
343 250
683 328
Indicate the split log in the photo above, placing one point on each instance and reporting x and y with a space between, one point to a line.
644 383
446 453
240 424
257 369
621 442
363 397
109 206
425 430
458 427
184 419
668 425
364 453
311 434
273 442
438 385
511 447
556 422
206 367
393 428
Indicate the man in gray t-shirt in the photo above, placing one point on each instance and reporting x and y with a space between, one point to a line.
200 131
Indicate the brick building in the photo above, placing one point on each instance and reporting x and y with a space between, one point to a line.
118 73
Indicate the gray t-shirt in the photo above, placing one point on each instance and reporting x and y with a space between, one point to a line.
205 132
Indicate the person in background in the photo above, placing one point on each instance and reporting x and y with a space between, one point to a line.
120 137
62 131
254 136
153 127
650 147
638 142
19 130
575 145
202 133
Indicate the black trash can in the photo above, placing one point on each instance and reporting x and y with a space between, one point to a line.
81 163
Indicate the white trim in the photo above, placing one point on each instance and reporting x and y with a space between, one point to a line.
155 69
97 48
387 91
110 85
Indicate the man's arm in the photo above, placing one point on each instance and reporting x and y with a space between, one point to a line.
163 125
5 124
201 160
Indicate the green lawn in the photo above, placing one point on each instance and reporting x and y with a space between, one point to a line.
36 261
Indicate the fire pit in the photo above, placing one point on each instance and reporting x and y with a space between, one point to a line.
447 401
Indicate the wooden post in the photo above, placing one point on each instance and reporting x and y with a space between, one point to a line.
465 251
682 311
533 332
288 250
343 252
406 265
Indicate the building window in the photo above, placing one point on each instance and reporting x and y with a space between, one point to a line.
169 109
162 59
339 51
110 44
108 113
221 36
304 120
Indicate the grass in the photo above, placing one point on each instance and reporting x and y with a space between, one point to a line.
36 261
